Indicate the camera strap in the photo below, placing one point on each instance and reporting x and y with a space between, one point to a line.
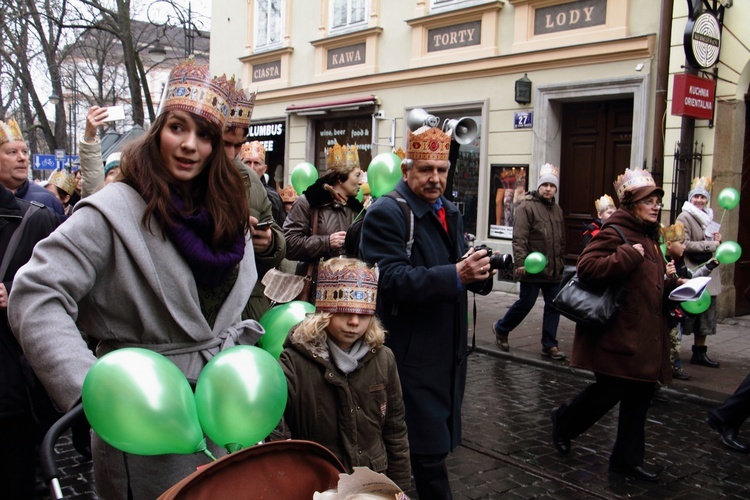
473 346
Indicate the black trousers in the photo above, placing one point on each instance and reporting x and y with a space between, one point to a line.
595 401
431 477
17 453
736 409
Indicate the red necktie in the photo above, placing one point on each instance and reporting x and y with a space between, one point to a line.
441 217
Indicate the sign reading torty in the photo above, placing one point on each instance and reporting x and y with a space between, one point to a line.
346 56
693 96
267 71
454 36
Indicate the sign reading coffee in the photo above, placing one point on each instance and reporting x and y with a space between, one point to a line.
570 16
350 55
454 36
267 71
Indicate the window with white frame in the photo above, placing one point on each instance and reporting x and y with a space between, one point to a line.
269 23
348 14
451 4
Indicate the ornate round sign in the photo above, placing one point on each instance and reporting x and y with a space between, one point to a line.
702 40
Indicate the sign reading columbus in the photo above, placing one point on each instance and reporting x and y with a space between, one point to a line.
693 96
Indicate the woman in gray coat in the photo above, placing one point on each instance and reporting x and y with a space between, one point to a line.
159 260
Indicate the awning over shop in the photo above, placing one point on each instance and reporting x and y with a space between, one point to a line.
322 108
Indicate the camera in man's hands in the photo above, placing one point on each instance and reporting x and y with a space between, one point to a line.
502 262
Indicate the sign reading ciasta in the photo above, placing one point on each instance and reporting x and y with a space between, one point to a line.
693 96
267 71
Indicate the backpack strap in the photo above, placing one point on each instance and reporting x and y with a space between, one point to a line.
408 216
16 237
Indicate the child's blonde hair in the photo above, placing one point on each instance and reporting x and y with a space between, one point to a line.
312 330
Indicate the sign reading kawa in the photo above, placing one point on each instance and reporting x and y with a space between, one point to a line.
693 96
346 56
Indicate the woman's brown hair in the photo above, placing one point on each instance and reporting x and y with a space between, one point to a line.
218 188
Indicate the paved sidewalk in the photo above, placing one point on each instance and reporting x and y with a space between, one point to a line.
730 346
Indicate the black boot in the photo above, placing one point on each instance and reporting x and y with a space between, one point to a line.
701 358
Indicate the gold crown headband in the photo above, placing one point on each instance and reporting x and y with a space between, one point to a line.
10 132
288 194
632 179
675 232
428 144
253 149
342 159
346 286
242 108
604 203
65 181
190 88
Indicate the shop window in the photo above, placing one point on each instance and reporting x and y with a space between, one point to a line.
347 15
344 131
269 23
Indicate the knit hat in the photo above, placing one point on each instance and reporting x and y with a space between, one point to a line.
347 286
549 174
113 161
428 144
636 184
702 186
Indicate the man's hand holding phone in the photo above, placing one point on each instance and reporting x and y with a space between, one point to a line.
262 236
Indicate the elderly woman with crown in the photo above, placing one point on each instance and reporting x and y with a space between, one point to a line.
701 241
163 261
315 227
629 357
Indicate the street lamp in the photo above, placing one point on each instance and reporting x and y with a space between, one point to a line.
158 52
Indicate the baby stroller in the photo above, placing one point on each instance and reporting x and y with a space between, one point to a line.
287 469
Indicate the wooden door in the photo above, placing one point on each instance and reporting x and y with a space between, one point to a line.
742 267
596 139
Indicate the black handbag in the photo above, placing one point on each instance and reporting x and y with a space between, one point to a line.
587 305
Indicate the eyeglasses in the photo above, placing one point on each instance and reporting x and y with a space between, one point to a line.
651 204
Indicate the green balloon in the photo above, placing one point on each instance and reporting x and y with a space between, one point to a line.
383 173
663 248
698 306
241 396
729 198
535 262
303 176
728 252
277 322
360 195
140 402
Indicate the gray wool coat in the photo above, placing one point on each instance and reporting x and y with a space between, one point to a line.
125 286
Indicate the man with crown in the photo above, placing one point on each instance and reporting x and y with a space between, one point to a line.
422 301
702 238
315 227
269 244
253 155
14 169
631 355
538 226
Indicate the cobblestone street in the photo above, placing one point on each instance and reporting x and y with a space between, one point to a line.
507 449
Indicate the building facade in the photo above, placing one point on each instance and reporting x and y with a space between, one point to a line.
583 84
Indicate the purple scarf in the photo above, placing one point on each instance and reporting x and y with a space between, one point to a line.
191 235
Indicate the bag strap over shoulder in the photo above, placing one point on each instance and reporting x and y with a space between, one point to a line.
619 231
408 215
16 237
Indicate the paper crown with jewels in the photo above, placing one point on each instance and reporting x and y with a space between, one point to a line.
10 131
342 159
635 184
191 88
702 186
400 153
675 232
253 149
346 286
428 143
604 203
65 181
242 108
288 194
